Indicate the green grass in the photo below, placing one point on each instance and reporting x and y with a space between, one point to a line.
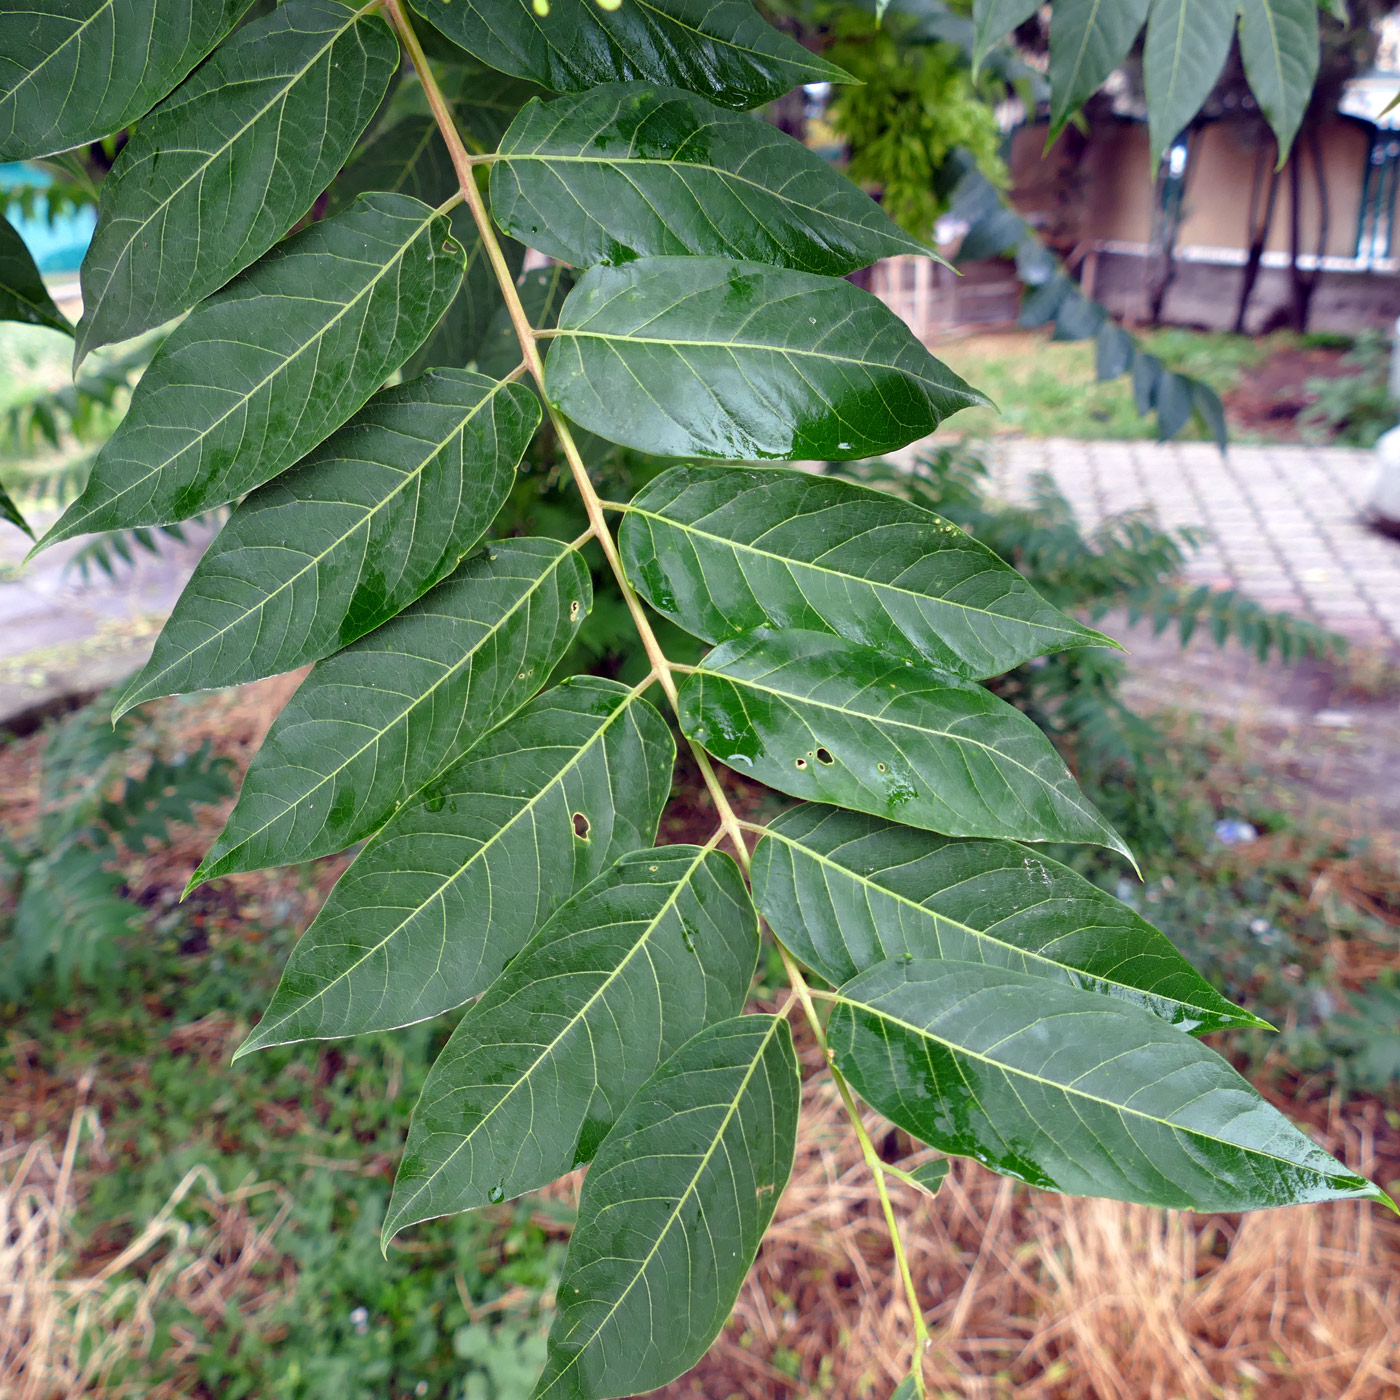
1046 388
317 1127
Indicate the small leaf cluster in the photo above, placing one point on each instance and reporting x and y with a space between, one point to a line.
1184 50
981 996
67 906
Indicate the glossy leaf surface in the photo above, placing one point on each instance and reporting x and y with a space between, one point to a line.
72 71
1280 48
632 170
383 509
23 296
1088 40
375 722
845 891
724 550
824 719
657 948
672 1212
261 372
459 878
712 358
1187 44
1070 1091
229 162
721 48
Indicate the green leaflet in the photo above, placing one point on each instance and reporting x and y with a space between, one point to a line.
1070 1091
536 1073
931 1175
23 296
1279 44
721 48
672 1212
460 877
74 70
1088 40
11 512
1187 44
712 358
374 723
260 373
457 338
993 21
383 509
630 170
824 719
229 162
724 550
844 891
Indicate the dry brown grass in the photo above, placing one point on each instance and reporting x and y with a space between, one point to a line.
1042 1297
63 1330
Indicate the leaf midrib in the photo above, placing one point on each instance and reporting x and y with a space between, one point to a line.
624 706
279 368
1067 1089
508 158
690 1187
675 342
640 942
789 697
448 674
75 36
874 584
825 860
313 561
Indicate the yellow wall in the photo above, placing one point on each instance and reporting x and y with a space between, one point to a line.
1102 189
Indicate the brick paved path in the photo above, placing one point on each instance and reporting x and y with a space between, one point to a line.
1285 521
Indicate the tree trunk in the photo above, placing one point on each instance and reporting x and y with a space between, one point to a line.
1305 283
1258 231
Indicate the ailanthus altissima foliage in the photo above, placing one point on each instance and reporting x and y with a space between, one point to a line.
360 391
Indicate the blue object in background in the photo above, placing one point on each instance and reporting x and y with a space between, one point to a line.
57 247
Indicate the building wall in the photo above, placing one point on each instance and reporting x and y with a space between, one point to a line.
1102 188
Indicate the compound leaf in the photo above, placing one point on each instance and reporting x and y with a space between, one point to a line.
460 876
654 950
1088 40
844 891
821 718
1070 1091
1280 47
713 358
264 370
72 71
383 509
229 162
375 722
725 550
630 170
672 1212
719 47
23 296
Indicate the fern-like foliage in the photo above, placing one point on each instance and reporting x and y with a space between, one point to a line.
68 914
